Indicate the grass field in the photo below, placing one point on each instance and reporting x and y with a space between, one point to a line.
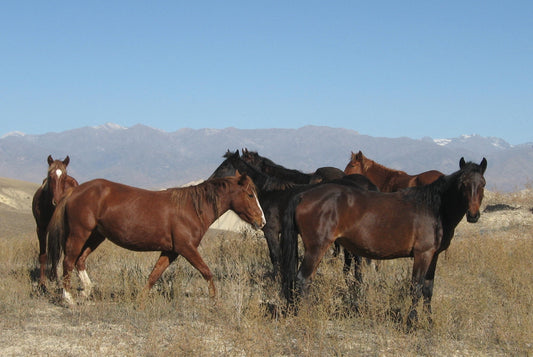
482 303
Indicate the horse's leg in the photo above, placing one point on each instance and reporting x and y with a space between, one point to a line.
348 258
421 265
337 249
73 247
164 260
92 243
193 256
357 260
41 234
272 237
312 257
427 289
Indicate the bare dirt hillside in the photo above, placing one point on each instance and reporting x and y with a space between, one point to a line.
15 207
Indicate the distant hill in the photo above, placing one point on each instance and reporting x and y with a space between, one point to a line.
151 158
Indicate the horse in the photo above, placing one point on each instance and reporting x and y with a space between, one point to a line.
274 194
269 167
417 222
171 221
388 180
45 199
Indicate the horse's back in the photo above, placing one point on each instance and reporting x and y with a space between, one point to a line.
71 182
368 223
425 178
131 217
114 193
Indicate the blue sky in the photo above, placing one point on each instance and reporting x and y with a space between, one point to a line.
382 68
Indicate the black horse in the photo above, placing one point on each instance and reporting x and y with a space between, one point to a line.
274 194
269 167
417 222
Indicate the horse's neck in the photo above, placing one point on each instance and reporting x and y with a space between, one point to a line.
211 212
453 209
69 183
382 176
281 172
45 189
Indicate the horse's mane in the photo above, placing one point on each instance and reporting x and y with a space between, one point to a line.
262 180
432 195
280 172
262 159
206 192
381 167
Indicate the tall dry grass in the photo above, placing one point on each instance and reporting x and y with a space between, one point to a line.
482 303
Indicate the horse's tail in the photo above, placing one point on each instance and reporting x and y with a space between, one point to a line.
57 232
289 249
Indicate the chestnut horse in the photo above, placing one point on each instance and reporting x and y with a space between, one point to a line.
172 221
417 222
387 180
45 199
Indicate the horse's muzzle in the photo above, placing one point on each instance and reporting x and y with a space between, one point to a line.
472 218
259 225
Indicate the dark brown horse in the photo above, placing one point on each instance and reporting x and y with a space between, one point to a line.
417 222
45 199
274 195
172 221
387 180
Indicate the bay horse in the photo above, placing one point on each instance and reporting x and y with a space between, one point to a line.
387 180
172 221
45 199
274 195
417 222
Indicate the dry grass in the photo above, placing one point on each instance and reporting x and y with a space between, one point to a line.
482 302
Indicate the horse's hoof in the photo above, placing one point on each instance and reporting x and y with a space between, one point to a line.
41 289
67 297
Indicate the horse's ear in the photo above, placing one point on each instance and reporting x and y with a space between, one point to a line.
483 165
50 160
359 155
462 162
242 177
66 161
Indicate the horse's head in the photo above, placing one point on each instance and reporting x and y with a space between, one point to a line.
244 201
57 175
226 168
251 157
357 164
472 184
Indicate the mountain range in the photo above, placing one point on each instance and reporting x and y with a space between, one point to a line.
147 157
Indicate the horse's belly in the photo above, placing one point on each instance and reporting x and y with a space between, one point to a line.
379 241
138 241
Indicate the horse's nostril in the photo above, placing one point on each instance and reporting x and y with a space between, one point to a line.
472 218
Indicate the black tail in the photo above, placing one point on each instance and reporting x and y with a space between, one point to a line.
56 237
289 249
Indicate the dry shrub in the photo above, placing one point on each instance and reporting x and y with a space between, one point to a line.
482 302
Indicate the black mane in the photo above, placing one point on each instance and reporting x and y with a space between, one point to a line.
270 168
